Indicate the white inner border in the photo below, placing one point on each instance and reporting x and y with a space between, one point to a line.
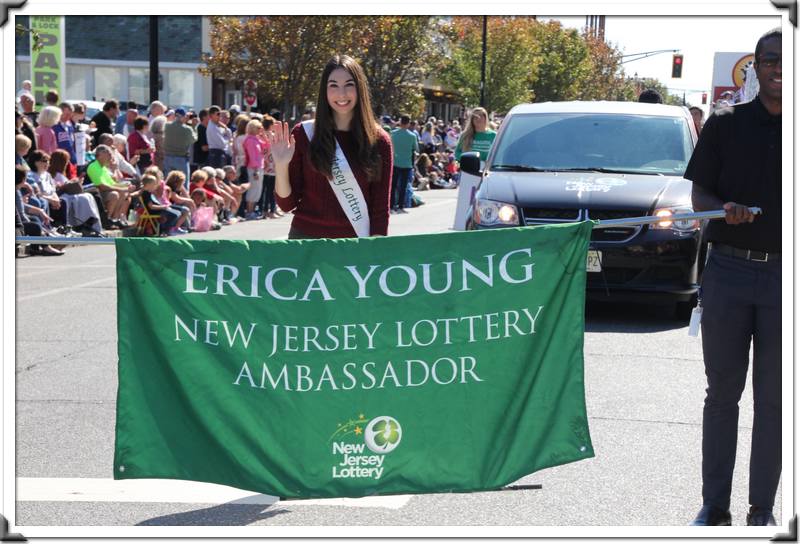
409 7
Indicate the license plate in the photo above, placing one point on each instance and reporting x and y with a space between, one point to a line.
593 261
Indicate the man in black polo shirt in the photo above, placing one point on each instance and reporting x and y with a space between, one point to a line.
737 164
105 120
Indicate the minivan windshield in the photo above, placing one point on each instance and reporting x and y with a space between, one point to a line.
605 142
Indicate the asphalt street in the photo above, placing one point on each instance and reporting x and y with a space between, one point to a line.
644 391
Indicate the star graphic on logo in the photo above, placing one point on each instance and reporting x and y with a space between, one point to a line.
358 430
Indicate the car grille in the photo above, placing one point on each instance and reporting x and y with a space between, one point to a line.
536 216
539 216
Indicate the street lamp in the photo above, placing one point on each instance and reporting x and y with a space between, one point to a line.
153 58
483 65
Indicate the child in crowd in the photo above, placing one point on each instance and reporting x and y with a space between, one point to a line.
219 190
179 196
166 195
451 172
224 181
198 181
35 213
254 153
22 145
202 221
235 185
171 220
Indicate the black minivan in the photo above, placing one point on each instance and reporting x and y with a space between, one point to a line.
572 161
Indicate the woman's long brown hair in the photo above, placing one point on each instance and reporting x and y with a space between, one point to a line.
58 162
364 127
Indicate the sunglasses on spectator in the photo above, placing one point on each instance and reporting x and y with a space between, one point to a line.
769 61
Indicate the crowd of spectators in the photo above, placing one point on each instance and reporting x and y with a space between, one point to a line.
195 171
83 177
436 164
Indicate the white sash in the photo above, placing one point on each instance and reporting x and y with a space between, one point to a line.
346 188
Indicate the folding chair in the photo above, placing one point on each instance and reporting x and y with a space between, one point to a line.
147 224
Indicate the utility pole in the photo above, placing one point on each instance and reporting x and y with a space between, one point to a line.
153 58
483 66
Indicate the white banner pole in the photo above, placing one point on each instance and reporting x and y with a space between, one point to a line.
646 220
633 221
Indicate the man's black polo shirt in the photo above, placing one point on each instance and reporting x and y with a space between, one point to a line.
738 159
103 125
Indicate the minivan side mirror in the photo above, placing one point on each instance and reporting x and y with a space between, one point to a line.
470 163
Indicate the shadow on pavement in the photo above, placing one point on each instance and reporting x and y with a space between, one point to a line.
631 317
224 514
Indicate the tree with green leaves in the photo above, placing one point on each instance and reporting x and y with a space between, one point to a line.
284 55
605 78
398 53
564 63
511 59
36 38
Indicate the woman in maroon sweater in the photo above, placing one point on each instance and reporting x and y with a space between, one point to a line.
303 169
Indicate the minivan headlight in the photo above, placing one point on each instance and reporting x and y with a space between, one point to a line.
683 225
490 212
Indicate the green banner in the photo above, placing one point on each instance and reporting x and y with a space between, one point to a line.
47 64
345 368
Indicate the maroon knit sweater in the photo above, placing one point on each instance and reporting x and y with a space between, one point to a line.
316 210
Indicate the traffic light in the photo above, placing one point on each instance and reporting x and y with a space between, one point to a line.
705 98
677 65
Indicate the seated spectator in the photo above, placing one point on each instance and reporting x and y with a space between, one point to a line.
31 225
140 144
41 179
217 188
203 219
22 145
32 206
199 196
119 144
451 171
234 184
171 220
198 181
24 127
423 164
116 196
81 211
45 135
179 196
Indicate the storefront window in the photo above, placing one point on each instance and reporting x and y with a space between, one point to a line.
178 88
107 83
139 85
78 83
